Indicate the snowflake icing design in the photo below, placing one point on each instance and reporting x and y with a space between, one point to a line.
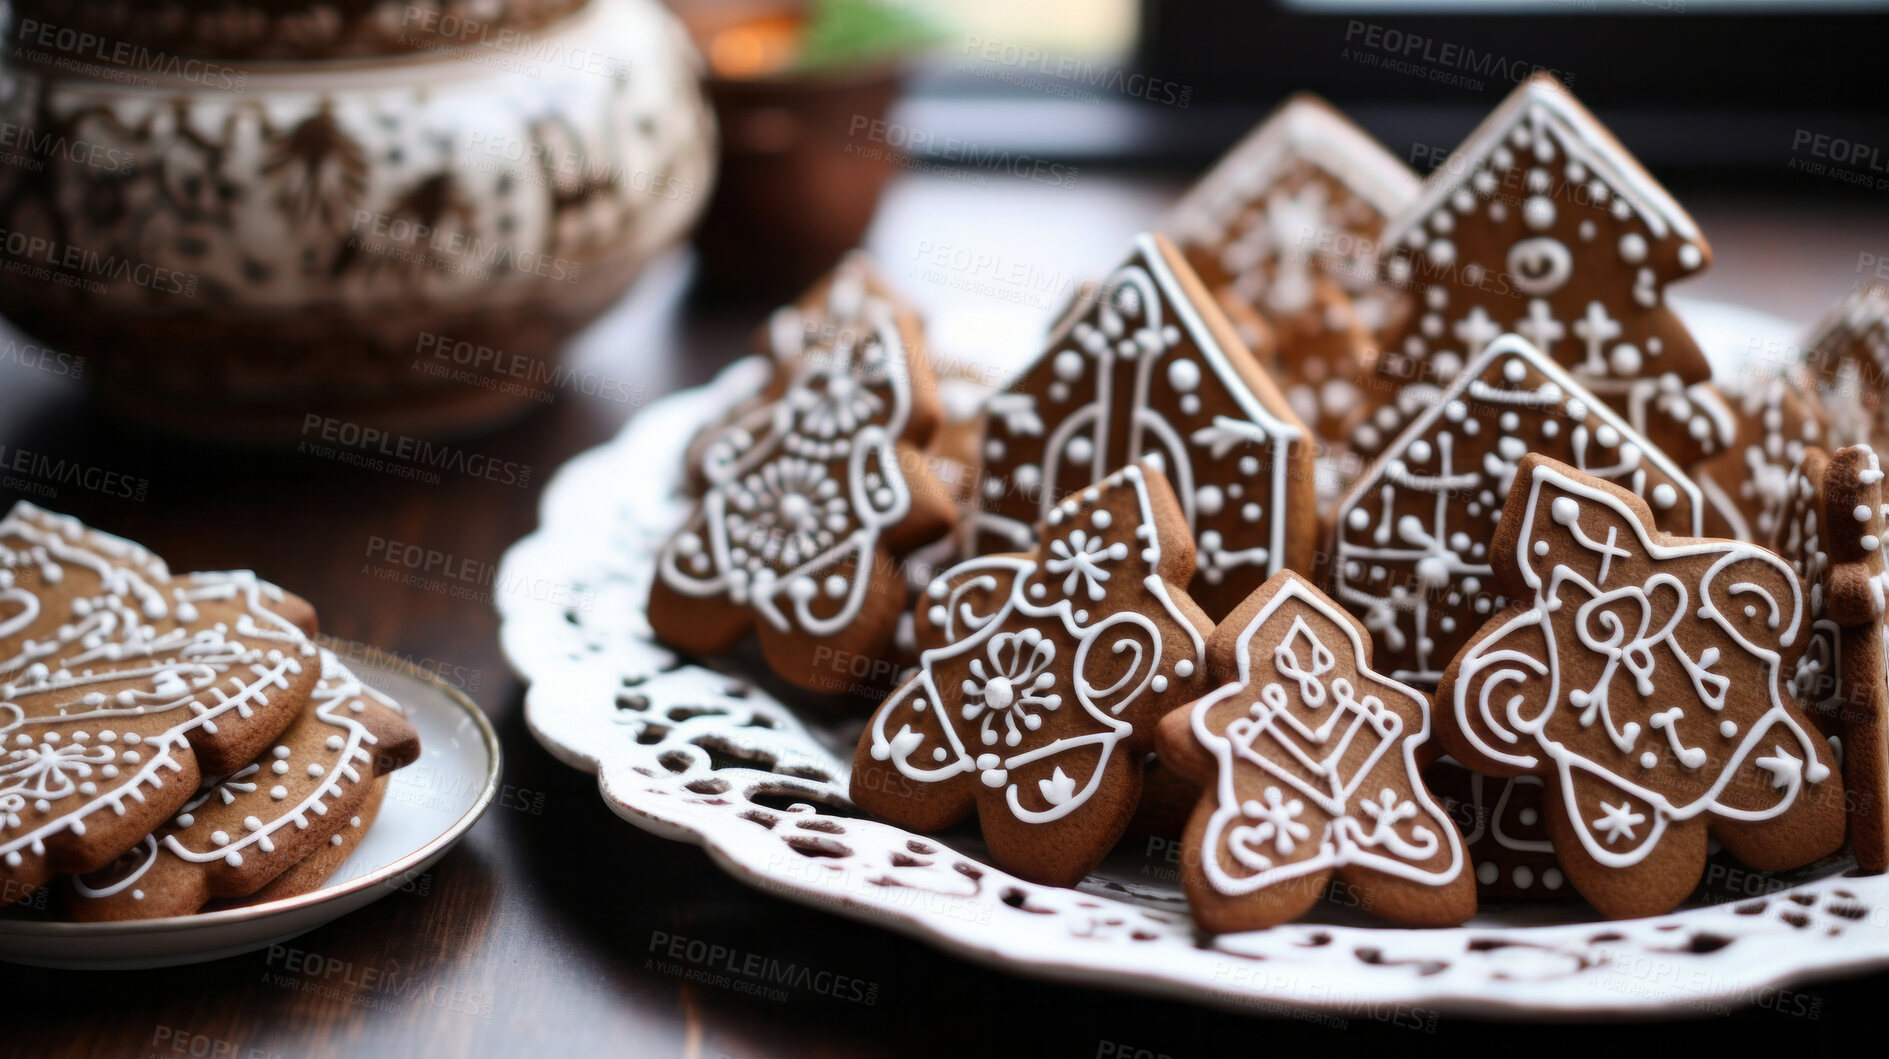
787 512
837 409
1081 556
1617 822
1013 687
1278 821
1386 812
47 771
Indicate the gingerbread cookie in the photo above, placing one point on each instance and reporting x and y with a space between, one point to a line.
1799 540
1305 194
811 500
1327 359
1842 524
1643 677
1150 368
121 687
1310 763
1411 539
308 874
1040 680
1542 224
1505 829
1847 359
831 315
245 829
1744 485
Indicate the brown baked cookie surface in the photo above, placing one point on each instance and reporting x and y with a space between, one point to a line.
1744 485
1505 828
1411 550
1837 523
1150 367
1306 193
121 686
1287 224
1040 680
811 499
1644 677
1310 762
239 833
313 871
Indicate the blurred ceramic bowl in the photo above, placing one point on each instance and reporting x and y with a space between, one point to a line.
275 29
240 246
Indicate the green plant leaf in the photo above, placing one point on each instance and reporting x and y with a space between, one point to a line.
856 32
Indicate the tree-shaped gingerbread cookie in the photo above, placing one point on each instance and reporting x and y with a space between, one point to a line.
1644 677
1309 764
810 498
1040 680
1541 223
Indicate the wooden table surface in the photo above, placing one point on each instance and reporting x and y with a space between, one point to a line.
537 931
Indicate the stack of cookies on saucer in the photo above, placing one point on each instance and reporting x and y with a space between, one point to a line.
171 743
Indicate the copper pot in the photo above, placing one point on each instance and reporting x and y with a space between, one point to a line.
804 160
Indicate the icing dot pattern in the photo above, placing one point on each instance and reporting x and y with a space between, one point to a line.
1411 555
1230 454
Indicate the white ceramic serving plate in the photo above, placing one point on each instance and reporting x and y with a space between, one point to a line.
429 805
714 759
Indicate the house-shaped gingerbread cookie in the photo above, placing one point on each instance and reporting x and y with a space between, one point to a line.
1847 359
1745 485
1410 551
1288 223
1149 367
1542 224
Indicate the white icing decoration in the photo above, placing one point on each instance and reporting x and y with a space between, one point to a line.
999 616
1303 729
1183 374
1635 628
806 487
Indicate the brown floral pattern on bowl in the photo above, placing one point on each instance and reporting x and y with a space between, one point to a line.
286 250
142 34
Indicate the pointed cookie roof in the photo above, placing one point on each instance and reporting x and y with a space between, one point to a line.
1410 549
1151 367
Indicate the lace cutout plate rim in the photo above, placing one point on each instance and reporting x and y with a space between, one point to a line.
715 759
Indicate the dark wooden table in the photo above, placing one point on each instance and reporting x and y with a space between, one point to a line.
537 932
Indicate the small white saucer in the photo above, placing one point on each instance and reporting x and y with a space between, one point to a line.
429 805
